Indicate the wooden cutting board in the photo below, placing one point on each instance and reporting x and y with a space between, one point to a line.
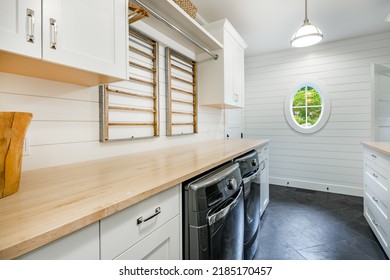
13 128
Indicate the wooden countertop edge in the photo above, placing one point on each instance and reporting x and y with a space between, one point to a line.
382 147
30 243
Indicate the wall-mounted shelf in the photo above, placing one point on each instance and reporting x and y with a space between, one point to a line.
174 14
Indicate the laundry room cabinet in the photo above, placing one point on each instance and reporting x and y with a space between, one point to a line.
263 154
88 35
79 245
20 27
221 81
150 229
377 194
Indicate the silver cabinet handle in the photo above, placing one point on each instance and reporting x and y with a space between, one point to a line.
374 199
375 176
53 34
140 220
375 223
374 156
30 26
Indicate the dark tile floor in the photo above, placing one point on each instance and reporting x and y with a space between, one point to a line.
302 224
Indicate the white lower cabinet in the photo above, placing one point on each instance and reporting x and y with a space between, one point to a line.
79 245
377 195
158 236
161 244
263 154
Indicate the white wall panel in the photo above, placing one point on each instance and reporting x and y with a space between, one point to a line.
65 124
331 159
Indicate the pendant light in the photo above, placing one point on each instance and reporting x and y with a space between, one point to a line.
307 34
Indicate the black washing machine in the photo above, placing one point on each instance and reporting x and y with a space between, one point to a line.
250 172
213 215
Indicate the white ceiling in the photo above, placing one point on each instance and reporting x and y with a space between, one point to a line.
267 25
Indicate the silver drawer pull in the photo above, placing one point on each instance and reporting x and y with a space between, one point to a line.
140 220
374 175
30 26
374 156
377 225
374 199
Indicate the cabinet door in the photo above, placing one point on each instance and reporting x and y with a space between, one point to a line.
87 34
162 244
20 27
229 52
264 185
80 245
234 71
238 76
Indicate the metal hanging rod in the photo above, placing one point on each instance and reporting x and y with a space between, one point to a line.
172 26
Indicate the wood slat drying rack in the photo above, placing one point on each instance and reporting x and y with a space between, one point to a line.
181 91
146 48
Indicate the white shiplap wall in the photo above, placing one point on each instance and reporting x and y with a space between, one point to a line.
330 159
65 125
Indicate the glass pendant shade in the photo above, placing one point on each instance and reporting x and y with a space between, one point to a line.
307 34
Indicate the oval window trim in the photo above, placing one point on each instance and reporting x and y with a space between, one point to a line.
325 112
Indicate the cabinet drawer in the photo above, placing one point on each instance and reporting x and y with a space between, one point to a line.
377 201
378 158
379 220
378 225
379 172
378 183
120 231
162 244
263 152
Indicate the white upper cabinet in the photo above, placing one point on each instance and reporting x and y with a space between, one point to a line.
221 82
20 27
82 42
87 34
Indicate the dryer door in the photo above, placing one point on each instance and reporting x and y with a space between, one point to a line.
252 205
226 224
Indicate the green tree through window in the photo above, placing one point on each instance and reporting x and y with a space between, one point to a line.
306 106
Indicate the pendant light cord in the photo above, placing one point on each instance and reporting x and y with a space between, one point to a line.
306 19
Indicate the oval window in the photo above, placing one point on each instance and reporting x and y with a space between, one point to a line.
307 109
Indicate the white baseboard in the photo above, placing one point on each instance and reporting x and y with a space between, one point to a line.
341 189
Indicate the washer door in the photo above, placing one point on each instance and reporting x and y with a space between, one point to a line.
226 229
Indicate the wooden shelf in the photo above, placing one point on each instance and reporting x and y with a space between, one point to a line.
174 14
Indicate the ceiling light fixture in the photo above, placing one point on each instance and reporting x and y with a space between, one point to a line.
307 34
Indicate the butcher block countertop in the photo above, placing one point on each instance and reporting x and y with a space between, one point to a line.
53 202
382 147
